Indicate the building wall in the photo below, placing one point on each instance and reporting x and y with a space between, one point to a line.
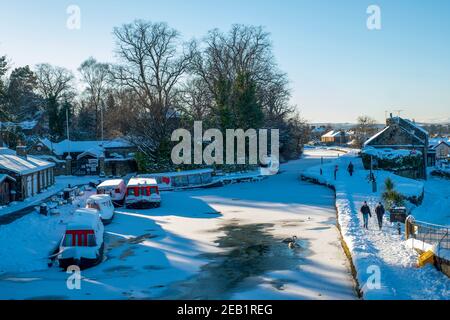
26 186
397 138
120 167
5 191
442 151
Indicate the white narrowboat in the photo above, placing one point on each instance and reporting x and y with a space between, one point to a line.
115 188
82 244
104 206
189 179
142 193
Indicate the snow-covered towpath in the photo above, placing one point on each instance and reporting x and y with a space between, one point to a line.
221 243
386 266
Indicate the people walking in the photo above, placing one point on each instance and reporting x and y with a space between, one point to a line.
351 169
365 210
379 210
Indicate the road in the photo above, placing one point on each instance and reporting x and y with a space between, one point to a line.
220 243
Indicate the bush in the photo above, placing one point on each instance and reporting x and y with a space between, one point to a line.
391 197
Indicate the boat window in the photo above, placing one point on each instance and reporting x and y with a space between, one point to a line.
68 240
79 238
117 190
93 205
91 240
154 190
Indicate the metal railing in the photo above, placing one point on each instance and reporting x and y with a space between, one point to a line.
428 233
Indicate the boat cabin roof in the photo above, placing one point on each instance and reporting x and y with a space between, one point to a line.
110 183
99 198
84 219
137 182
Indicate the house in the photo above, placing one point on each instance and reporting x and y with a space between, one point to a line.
25 175
439 148
335 137
110 157
404 146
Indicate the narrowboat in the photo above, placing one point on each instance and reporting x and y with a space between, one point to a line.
142 193
104 206
115 188
82 244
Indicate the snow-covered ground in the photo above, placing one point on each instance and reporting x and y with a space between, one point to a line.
27 243
436 204
61 182
384 251
209 243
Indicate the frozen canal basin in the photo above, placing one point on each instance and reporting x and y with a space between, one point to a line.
221 243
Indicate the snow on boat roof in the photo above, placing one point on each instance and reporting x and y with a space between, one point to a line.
84 219
135 182
178 173
110 183
23 166
99 197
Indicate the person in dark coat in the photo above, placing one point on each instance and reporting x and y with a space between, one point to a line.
351 169
379 210
365 210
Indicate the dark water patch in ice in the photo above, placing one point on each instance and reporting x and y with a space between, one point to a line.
118 269
249 251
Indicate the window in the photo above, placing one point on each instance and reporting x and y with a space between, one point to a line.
93 205
79 238
68 240
91 240
117 190
154 190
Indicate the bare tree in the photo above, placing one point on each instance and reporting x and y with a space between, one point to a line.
96 76
54 82
244 50
365 127
153 62
56 85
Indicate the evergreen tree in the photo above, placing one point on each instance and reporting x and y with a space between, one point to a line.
21 93
248 111
3 68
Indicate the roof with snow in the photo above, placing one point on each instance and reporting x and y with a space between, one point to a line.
405 125
334 133
92 147
110 183
4 150
84 219
21 165
3 177
178 173
99 198
434 142
24 125
136 182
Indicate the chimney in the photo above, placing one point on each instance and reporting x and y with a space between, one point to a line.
21 151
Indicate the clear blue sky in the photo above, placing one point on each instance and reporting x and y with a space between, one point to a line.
337 67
